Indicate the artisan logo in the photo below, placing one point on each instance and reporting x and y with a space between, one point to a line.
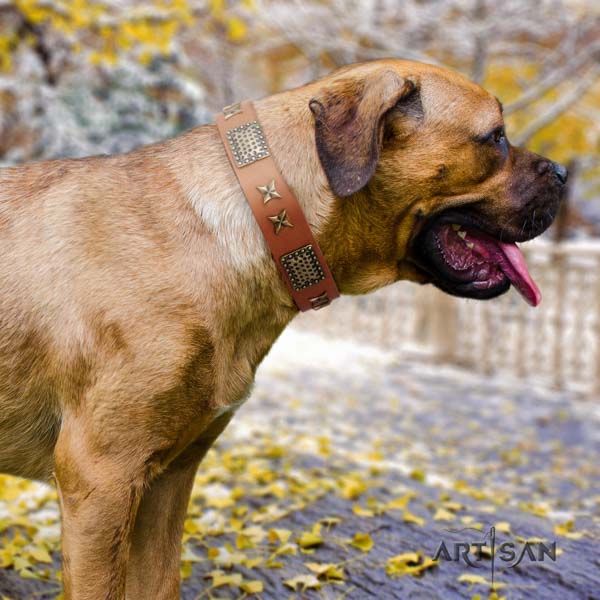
510 553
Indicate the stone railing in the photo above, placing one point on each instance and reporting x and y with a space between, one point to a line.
555 344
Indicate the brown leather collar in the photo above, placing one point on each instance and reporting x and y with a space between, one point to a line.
276 209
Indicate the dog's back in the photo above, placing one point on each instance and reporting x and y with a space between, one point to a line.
87 246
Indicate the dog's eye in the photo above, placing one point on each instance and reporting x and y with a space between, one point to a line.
499 135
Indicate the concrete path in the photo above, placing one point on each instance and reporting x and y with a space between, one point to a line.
347 469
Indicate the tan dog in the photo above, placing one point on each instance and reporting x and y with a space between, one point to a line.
137 296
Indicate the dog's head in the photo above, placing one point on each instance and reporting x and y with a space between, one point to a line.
427 185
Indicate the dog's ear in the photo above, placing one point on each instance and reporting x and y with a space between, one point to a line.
349 117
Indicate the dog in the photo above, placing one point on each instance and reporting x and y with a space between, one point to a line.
138 295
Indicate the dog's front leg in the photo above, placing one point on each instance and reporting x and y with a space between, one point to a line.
153 566
99 493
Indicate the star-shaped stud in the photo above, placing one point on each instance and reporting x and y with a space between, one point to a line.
279 221
268 191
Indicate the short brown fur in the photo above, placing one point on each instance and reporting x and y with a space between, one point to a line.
137 297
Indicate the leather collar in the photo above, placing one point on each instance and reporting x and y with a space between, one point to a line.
294 249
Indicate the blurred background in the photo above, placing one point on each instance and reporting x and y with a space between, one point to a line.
424 371
80 77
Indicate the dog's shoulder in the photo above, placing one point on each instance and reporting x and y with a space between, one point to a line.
33 180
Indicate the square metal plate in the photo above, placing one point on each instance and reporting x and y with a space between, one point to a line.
248 143
303 267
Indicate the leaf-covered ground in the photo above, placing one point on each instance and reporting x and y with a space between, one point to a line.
345 470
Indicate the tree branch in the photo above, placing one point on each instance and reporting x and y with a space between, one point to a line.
565 102
554 78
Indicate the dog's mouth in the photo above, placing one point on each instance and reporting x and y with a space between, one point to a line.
464 260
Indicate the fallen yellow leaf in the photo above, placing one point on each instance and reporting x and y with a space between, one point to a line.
330 572
305 582
252 587
409 517
362 541
441 514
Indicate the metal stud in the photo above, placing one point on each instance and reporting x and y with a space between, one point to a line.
280 221
303 267
248 143
268 191
232 110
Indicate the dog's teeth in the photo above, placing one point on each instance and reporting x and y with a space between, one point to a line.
470 245
462 234
456 227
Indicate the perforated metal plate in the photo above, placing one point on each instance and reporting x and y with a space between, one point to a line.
247 143
303 267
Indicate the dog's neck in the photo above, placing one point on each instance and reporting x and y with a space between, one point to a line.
243 297
219 200
290 133
250 299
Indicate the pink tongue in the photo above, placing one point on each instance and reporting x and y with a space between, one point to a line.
516 271
509 259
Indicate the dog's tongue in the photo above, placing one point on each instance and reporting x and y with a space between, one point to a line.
516 270
509 260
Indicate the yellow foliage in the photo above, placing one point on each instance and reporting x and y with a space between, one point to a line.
327 571
252 587
409 563
217 7
505 80
6 43
279 535
360 511
310 539
566 530
236 29
129 30
362 541
409 517
567 136
352 486
303 582
441 514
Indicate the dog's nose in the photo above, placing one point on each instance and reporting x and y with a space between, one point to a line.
560 171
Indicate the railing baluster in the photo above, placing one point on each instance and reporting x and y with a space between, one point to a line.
559 340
